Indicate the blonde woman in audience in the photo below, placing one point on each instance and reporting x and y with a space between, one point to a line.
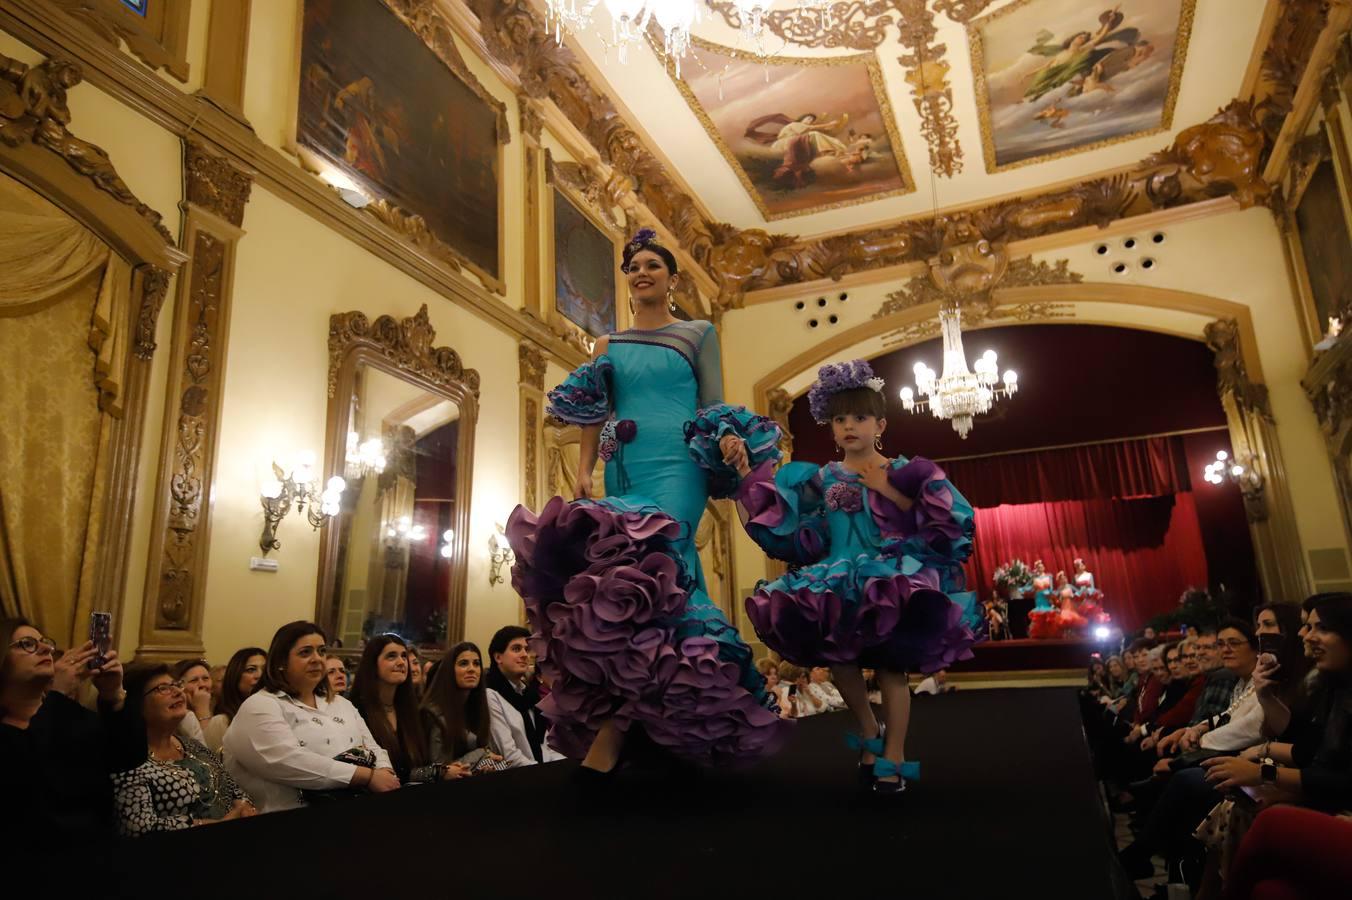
238 683
335 670
293 742
165 782
383 694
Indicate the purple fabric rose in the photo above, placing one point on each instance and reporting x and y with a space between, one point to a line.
626 430
633 594
845 497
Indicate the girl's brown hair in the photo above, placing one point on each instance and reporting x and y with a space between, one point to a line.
454 710
405 742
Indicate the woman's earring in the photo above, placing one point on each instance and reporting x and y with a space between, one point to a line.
877 442
671 301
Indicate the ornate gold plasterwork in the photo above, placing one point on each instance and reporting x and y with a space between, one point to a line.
531 360
1024 272
407 343
977 314
1187 13
161 43
780 404
1285 59
215 184
1232 375
590 185
868 60
33 109
154 288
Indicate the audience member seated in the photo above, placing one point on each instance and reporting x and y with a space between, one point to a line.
54 752
417 674
162 781
335 670
383 694
240 680
217 679
936 684
822 683
196 677
455 715
1180 696
803 700
518 728
291 742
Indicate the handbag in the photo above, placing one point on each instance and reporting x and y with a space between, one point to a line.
478 761
356 756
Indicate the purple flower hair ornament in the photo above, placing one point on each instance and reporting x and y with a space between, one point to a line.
833 378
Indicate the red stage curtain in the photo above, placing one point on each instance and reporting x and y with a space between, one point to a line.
1144 553
1148 467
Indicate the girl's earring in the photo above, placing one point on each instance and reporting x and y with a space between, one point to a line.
877 442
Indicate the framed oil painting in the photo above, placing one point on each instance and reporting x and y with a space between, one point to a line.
802 135
584 266
1325 248
1055 77
410 124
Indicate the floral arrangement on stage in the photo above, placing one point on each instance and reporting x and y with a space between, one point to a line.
1012 576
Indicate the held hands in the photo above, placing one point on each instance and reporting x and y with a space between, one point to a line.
734 453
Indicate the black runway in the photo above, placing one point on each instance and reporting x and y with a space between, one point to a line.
1006 807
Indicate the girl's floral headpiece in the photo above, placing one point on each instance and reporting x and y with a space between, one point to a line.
833 378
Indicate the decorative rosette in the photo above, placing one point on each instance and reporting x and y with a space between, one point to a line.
711 424
833 378
584 396
613 434
844 496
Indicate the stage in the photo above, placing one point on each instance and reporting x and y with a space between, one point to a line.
1024 655
1007 806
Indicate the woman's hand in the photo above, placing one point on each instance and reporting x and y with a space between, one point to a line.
1265 674
734 453
582 488
108 679
1226 772
382 780
452 771
73 668
200 701
1169 743
241 809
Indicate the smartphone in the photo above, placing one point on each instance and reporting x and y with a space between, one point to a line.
101 633
1269 643
793 690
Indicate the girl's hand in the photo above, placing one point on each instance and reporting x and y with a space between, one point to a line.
734 453
875 479
582 488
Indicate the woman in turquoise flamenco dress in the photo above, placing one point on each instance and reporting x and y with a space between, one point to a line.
623 626
877 545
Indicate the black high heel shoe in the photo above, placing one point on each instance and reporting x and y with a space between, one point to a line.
864 775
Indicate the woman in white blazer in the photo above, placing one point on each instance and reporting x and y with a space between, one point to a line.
291 737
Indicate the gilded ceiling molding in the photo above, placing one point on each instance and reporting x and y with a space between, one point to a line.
591 185
1285 59
406 343
532 362
1024 272
114 24
215 184
978 315
1232 375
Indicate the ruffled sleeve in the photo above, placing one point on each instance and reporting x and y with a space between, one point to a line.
938 527
711 424
783 512
584 396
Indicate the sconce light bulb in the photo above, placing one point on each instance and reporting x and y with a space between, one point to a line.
448 535
337 484
1237 471
272 489
390 532
1222 456
446 551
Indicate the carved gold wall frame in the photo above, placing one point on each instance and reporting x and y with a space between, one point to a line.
403 349
38 149
1187 11
434 29
868 60
567 181
159 38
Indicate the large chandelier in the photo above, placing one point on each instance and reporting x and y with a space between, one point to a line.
674 19
958 394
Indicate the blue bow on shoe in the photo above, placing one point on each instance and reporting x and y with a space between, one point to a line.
871 745
907 771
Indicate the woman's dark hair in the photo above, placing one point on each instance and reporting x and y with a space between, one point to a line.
183 666
405 743
231 696
454 710
1242 627
279 652
130 746
1335 613
638 245
861 401
8 626
504 636
1291 651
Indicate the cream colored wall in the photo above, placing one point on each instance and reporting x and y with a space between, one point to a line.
1236 257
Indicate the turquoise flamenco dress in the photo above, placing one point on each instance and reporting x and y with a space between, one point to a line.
870 583
623 625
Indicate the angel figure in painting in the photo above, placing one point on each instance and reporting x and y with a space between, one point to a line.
1074 61
801 140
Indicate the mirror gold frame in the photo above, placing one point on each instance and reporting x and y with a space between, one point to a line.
403 349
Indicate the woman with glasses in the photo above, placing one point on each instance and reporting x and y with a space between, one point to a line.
291 742
168 782
240 680
54 773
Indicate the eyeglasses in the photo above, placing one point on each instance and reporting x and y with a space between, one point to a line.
33 645
1233 644
165 689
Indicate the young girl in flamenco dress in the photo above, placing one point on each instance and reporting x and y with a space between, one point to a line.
878 546
624 628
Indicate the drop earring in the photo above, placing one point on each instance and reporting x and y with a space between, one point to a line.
877 442
671 301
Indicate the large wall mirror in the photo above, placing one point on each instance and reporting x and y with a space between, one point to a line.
401 432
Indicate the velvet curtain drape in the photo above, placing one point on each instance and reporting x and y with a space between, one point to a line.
64 334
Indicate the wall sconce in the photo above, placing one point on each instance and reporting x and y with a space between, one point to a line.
1246 477
403 531
446 550
299 485
499 554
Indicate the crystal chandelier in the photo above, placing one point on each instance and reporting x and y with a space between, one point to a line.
674 18
959 394
364 457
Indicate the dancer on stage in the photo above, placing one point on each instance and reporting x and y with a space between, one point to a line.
624 628
880 543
